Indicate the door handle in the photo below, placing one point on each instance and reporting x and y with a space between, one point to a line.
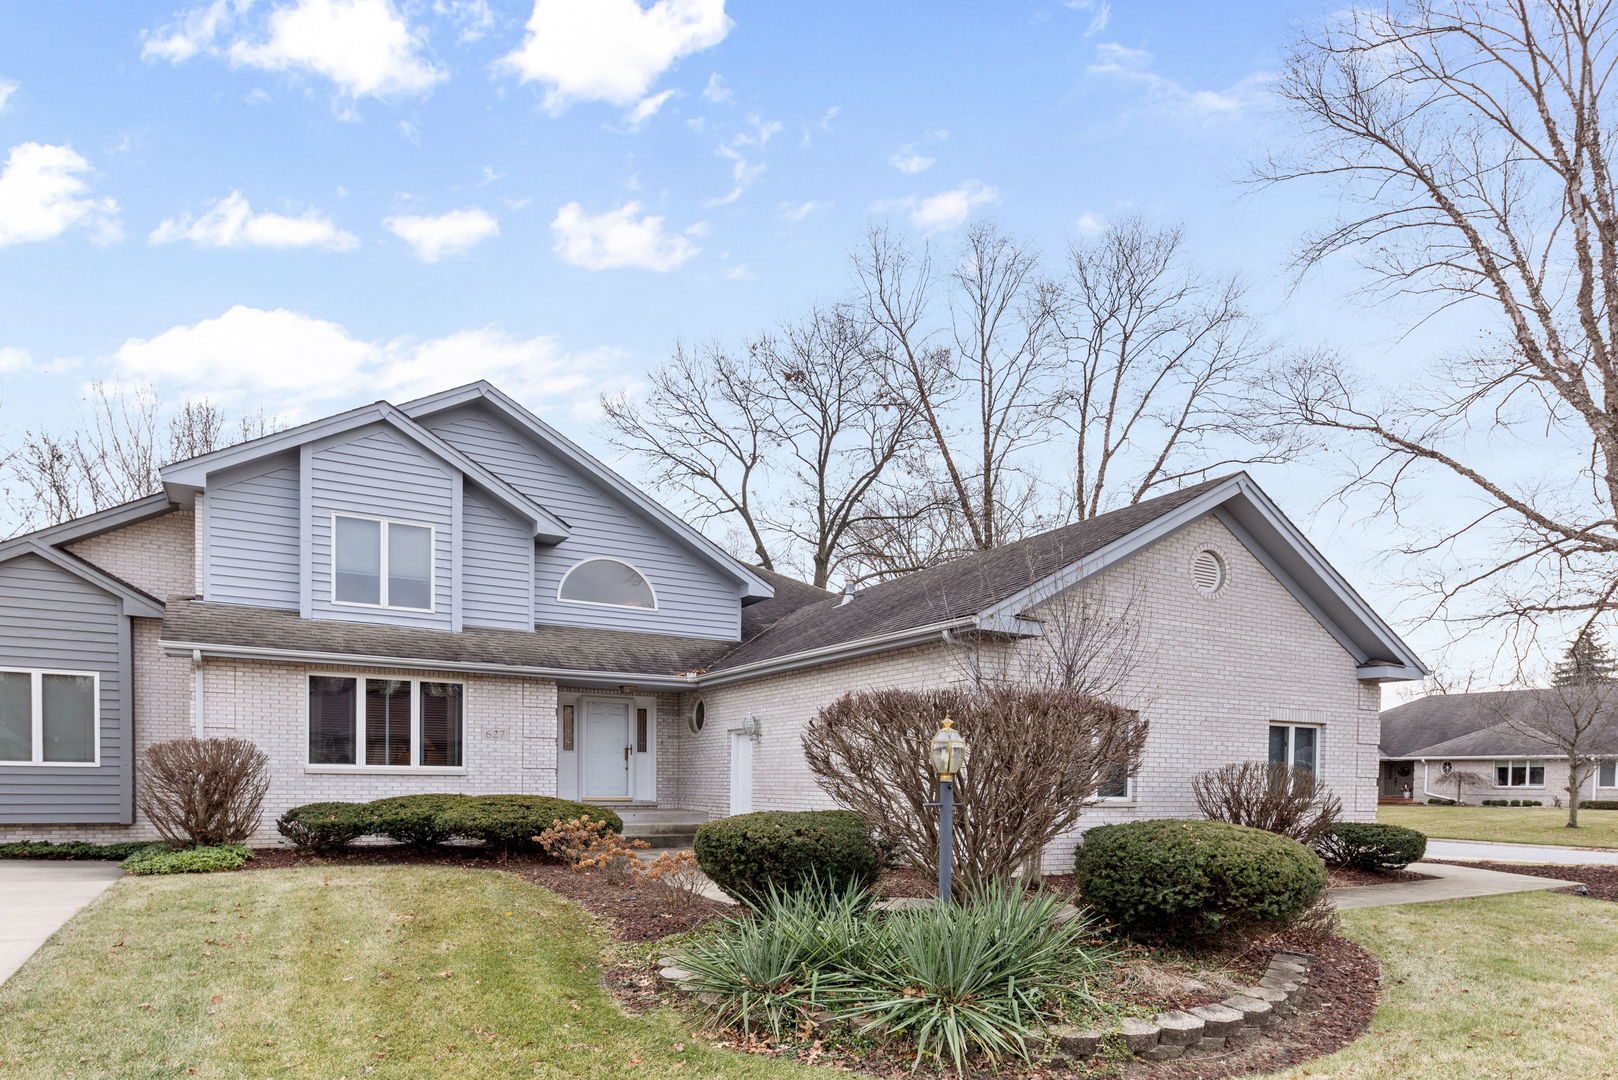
626 756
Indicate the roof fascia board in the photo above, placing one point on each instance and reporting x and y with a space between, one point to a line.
81 528
134 601
828 654
1150 533
755 586
1389 673
309 656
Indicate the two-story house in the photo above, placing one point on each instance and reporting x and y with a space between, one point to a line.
449 595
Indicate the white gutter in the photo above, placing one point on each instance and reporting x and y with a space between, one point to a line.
848 650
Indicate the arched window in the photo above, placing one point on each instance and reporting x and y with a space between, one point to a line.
606 581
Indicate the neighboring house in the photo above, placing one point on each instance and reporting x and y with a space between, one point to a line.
1487 734
448 595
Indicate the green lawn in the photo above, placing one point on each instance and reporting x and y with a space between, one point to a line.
1533 825
441 974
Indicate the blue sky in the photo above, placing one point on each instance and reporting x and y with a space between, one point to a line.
302 205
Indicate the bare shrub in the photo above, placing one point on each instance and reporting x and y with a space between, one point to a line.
679 872
587 844
1038 757
1275 798
201 792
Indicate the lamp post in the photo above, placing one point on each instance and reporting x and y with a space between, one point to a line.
948 755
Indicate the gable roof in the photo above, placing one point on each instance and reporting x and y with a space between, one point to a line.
1480 725
135 601
92 524
991 590
755 587
182 478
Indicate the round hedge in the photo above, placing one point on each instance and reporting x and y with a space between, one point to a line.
413 819
325 826
1184 880
510 822
746 854
1374 847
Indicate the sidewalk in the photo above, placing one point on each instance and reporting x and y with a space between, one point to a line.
1554 854
1448 883
37 896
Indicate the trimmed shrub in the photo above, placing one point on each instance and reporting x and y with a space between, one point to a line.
162 859
1373 847
71 849
510 822
1598 804
748 854
412 819
326 826
1173 879
1441 802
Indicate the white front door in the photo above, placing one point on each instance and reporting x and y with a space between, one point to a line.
741 773
606 756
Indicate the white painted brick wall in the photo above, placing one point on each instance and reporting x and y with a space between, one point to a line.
155 555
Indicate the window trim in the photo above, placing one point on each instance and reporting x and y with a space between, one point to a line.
560 599
1609 763
382 563
1292 745
1117 800
36 728
1528 772
359 766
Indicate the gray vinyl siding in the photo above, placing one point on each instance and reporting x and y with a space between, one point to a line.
497 566
251 531
694 598
376 472
49 618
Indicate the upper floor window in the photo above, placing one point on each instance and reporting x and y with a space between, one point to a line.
1297 745
606 581
48 717
382 563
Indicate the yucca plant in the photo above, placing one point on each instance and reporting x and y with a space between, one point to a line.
769 969
973 978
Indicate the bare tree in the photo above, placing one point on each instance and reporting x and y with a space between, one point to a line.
126 436
1462 779
1575 721
1469 141
1038 758
1158 358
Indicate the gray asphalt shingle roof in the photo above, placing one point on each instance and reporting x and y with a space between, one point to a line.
1480 725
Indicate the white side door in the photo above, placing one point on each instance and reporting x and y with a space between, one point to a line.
605 760
741 773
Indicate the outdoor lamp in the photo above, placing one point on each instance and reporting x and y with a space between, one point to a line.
949 751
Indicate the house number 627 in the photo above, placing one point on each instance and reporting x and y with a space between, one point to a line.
494 733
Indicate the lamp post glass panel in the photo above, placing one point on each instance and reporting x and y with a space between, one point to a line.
948 755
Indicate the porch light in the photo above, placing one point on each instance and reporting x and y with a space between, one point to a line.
948 751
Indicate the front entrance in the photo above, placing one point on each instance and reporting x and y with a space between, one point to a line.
608 748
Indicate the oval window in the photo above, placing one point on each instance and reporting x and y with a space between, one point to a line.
606 581
1208 572
699 717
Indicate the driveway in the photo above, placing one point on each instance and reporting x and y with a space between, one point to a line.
37 896
1483 851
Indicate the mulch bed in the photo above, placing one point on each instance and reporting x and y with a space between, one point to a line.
641 911
1344 877
1602 881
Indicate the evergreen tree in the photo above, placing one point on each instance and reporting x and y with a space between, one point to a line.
1587 660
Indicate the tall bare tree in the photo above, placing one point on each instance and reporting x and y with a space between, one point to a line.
113 456
1158 359
1469 140
1576 721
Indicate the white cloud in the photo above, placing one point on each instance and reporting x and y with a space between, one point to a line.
293 364
1100 14
1090 223
907 160
7 88
472 18
739 272
646 108
43 193
945 210
618 239
718 90
451 234
13 360
1133 66
799 211
744 169
231 223
366 47
611 50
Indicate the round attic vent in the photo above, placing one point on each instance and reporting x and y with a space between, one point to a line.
1208 572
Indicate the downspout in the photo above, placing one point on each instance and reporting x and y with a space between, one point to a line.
1426 779
197 728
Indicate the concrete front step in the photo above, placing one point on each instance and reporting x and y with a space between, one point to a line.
662 827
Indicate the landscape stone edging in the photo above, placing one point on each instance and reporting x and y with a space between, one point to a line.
1169 1035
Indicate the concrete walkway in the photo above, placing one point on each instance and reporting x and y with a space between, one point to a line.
1555 854
37 896
1448 883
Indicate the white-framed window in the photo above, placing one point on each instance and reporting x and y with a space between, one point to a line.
50 717
366 722
1607 774
1297 745
1119 787
607 583
379 562
1519 772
